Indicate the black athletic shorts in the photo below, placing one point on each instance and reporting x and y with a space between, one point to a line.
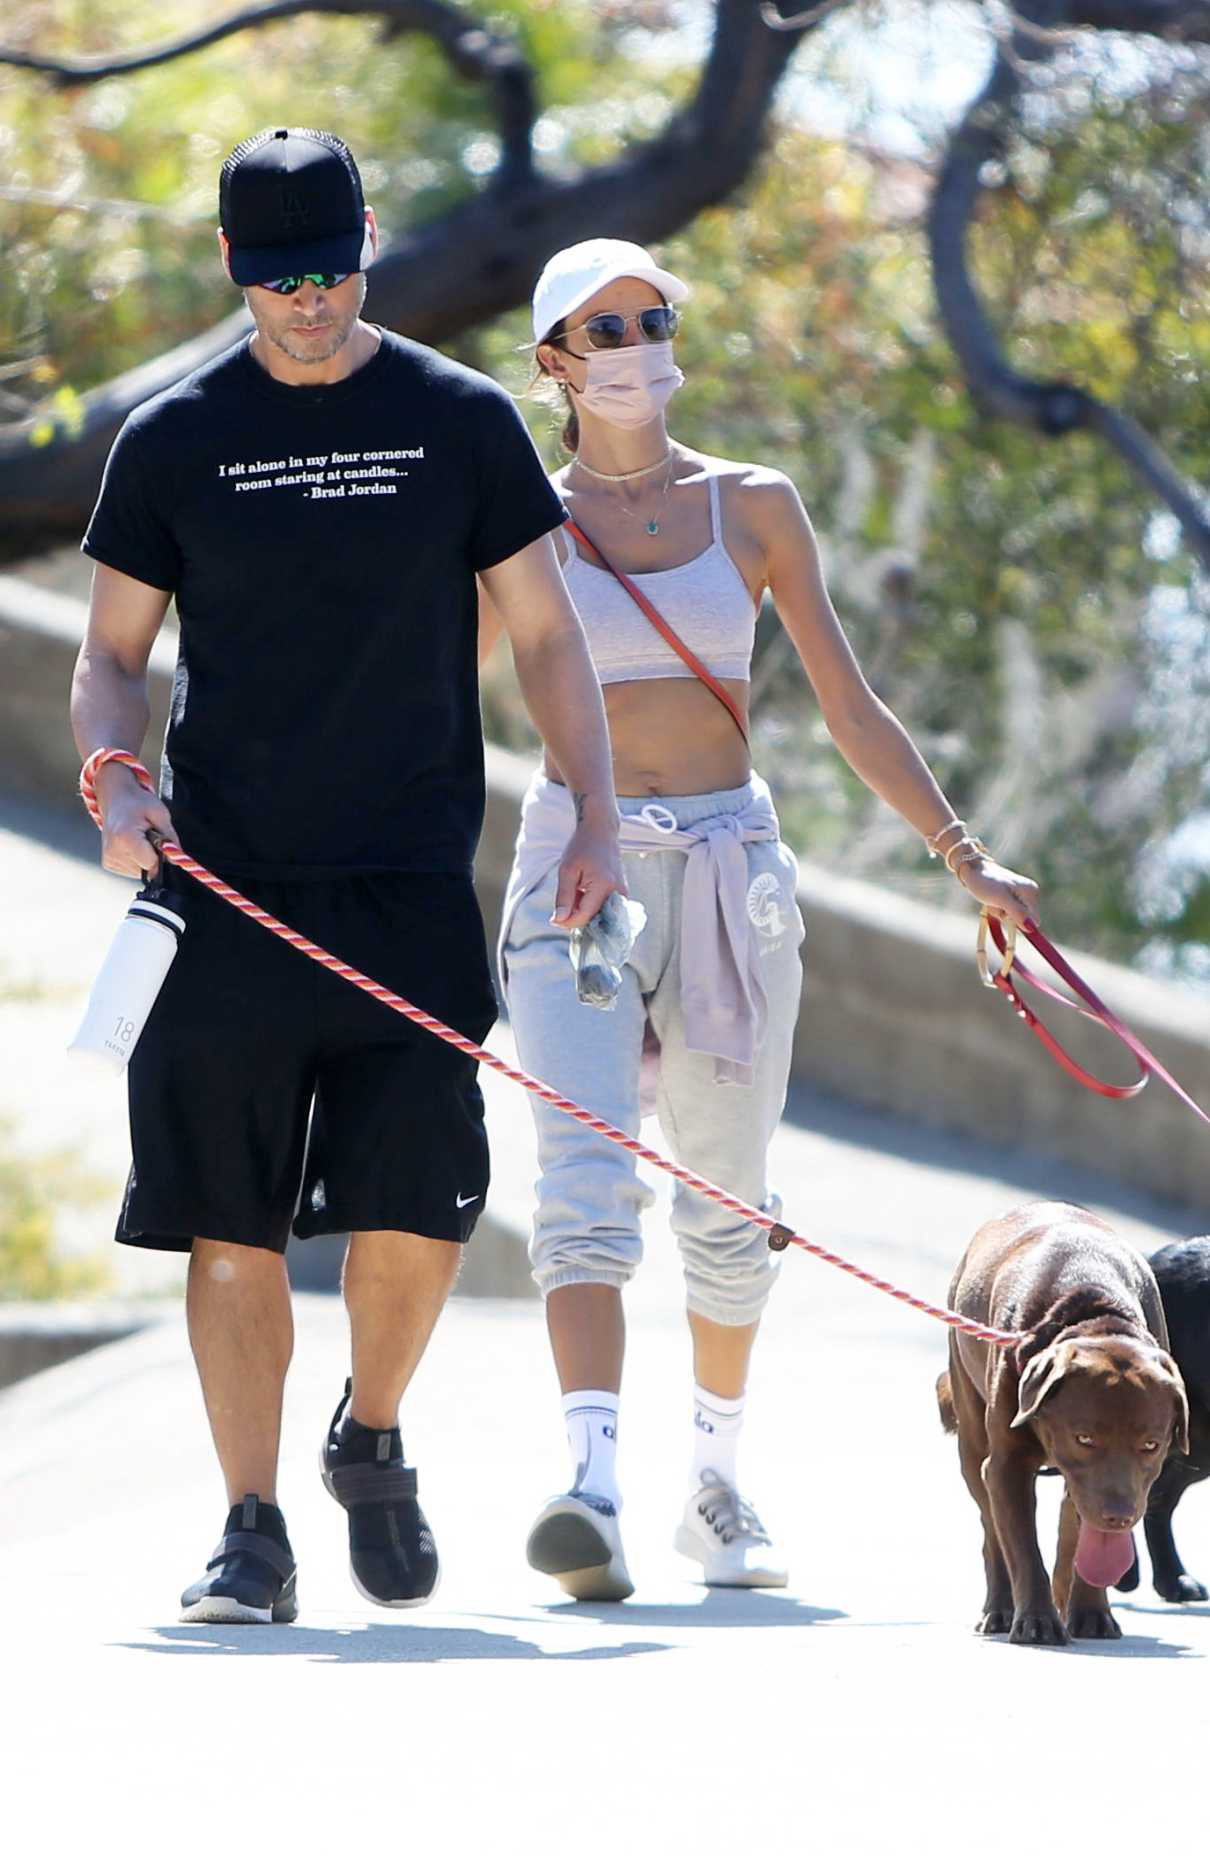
269 1096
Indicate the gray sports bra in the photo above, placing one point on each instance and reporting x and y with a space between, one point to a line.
706 601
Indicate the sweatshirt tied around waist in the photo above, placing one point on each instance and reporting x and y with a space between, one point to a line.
722 991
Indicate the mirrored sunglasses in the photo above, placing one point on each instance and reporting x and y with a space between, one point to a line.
323 280
608 330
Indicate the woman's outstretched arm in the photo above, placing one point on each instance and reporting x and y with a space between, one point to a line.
868 734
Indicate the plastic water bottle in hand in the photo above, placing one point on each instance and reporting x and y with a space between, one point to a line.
128 984
600 951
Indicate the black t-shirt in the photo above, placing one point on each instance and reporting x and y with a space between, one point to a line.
322 544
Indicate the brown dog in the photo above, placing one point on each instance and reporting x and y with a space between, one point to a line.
1090 1390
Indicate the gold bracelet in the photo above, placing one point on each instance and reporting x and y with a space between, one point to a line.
969 847
975 854
964 843
933 844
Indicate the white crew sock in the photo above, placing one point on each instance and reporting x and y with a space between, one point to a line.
717 1423
592 1438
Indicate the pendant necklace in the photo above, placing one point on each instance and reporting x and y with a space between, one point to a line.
652 524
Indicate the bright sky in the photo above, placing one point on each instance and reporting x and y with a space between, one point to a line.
901 80
896 74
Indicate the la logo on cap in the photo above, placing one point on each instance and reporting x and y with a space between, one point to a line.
294 210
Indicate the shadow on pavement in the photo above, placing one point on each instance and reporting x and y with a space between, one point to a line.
370 1643
1159 1608
1038 1175
717 1610
1136 1649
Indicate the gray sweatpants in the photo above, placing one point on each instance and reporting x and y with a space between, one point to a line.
589 1197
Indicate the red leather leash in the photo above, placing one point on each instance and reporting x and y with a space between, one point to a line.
665 630
1088 1005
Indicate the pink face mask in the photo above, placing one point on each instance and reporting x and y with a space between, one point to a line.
630 386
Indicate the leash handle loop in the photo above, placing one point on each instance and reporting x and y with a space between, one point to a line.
1007 956
1089 1006
92 767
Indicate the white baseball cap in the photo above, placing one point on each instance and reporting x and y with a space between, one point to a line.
579 271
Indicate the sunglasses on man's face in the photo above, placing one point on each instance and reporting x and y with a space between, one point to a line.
323 280
608 330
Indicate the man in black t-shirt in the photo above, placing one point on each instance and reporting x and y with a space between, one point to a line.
319 501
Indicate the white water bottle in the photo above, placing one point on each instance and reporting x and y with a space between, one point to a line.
128 984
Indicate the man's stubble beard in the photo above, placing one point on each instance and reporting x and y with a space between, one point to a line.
312 352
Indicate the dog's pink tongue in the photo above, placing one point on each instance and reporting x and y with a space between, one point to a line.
1102 1558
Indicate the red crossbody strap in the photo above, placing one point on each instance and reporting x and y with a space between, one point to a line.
1093 1008
665 630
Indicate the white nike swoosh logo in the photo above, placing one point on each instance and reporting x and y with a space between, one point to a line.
459 1201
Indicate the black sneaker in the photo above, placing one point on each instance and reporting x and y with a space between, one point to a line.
392 1554
251 1577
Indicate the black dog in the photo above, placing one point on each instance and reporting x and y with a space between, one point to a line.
1183 1273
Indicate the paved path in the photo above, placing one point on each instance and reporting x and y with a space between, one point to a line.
855 1712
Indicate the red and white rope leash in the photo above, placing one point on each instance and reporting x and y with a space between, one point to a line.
780 1235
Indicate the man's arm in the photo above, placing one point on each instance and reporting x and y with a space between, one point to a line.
490 627
525 595
109 709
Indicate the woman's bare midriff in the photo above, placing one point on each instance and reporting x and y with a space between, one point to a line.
671 736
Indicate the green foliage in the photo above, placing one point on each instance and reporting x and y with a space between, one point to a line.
34 1190
32 1193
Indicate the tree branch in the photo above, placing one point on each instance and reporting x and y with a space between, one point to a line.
798 22
472 48
1181 21
1051 407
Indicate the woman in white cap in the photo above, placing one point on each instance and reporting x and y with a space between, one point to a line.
713 981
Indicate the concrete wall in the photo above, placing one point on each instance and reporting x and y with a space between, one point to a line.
35 1335
40 634
893 1016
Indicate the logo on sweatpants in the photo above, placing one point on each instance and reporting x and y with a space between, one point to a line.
765 905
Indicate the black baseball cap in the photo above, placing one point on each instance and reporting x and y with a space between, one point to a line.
290 201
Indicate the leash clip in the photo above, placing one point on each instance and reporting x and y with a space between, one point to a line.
1010 946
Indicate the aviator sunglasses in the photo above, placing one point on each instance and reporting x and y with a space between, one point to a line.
323 280
608 330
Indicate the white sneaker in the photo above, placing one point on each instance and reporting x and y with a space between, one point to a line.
723 1533
576 1539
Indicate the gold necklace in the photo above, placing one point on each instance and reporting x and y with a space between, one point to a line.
652 525
622 476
